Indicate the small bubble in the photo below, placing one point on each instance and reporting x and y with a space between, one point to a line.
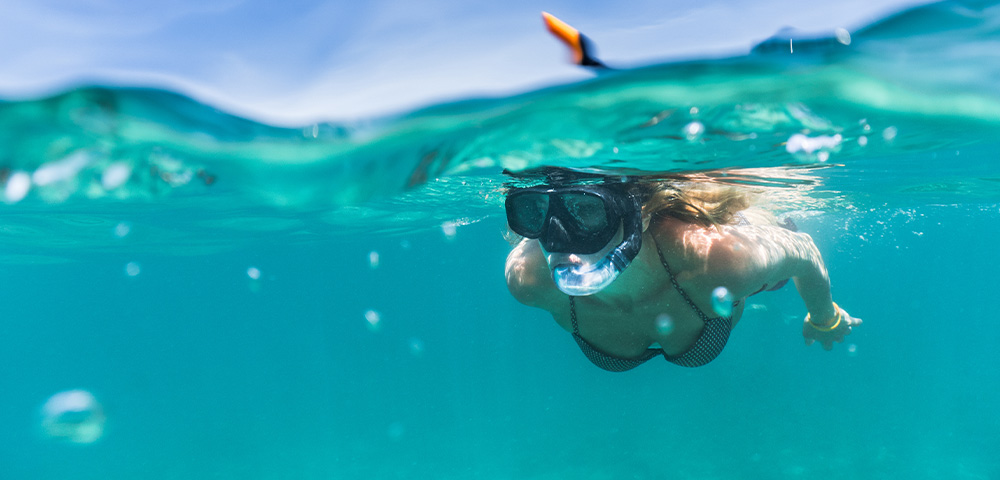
694 130
843 36
122 229
132 269
74 416
449 229
253 273
395 431
664 324
60 170
867 128
693 111
799 143
852 350
416 347
17 187
722 301
615 149
405 244
822 156
373 259
889 133
374 320
862 140
115 175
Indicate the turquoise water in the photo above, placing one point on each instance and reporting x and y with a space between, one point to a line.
129 262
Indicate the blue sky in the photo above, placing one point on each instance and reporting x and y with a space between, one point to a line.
297 61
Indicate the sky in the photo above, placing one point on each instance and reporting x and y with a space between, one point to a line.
295 62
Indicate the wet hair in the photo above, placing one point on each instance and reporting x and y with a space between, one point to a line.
708 204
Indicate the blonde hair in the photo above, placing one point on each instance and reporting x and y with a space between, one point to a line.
701 203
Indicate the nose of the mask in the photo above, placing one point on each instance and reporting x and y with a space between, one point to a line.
555 238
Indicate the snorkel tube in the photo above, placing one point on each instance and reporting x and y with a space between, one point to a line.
580 46
581 275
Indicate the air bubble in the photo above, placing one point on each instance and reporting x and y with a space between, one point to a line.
59 170
122 229
374 320
373 259
862 140
694 130
664 324
852 350
889 133
253 273
17 187
449 229
132 269
115 175
843 36
722 301
73 415
800 143
395 431
416 347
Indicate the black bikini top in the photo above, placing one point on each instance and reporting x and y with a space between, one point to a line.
709 345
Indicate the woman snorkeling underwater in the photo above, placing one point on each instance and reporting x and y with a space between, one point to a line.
630 267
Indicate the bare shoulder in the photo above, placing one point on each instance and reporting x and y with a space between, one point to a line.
686 246
742 258
528 276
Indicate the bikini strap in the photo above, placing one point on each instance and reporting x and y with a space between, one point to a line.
572 314
673 281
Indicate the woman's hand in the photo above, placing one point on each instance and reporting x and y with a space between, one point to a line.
839 328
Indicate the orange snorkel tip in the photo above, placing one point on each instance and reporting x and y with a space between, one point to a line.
577 42
567 34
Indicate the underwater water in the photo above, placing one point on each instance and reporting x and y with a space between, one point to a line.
249 301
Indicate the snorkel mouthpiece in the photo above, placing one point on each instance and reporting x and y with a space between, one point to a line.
582 275
588 279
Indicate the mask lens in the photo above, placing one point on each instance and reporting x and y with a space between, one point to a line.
526 213
588 211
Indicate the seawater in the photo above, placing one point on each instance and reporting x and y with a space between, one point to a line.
212 281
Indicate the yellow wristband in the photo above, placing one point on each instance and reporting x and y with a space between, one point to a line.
827 328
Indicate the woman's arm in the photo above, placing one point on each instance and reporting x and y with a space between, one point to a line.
749 257
745 259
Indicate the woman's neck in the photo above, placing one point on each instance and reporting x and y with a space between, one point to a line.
636 283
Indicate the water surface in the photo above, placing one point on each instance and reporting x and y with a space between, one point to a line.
135 220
